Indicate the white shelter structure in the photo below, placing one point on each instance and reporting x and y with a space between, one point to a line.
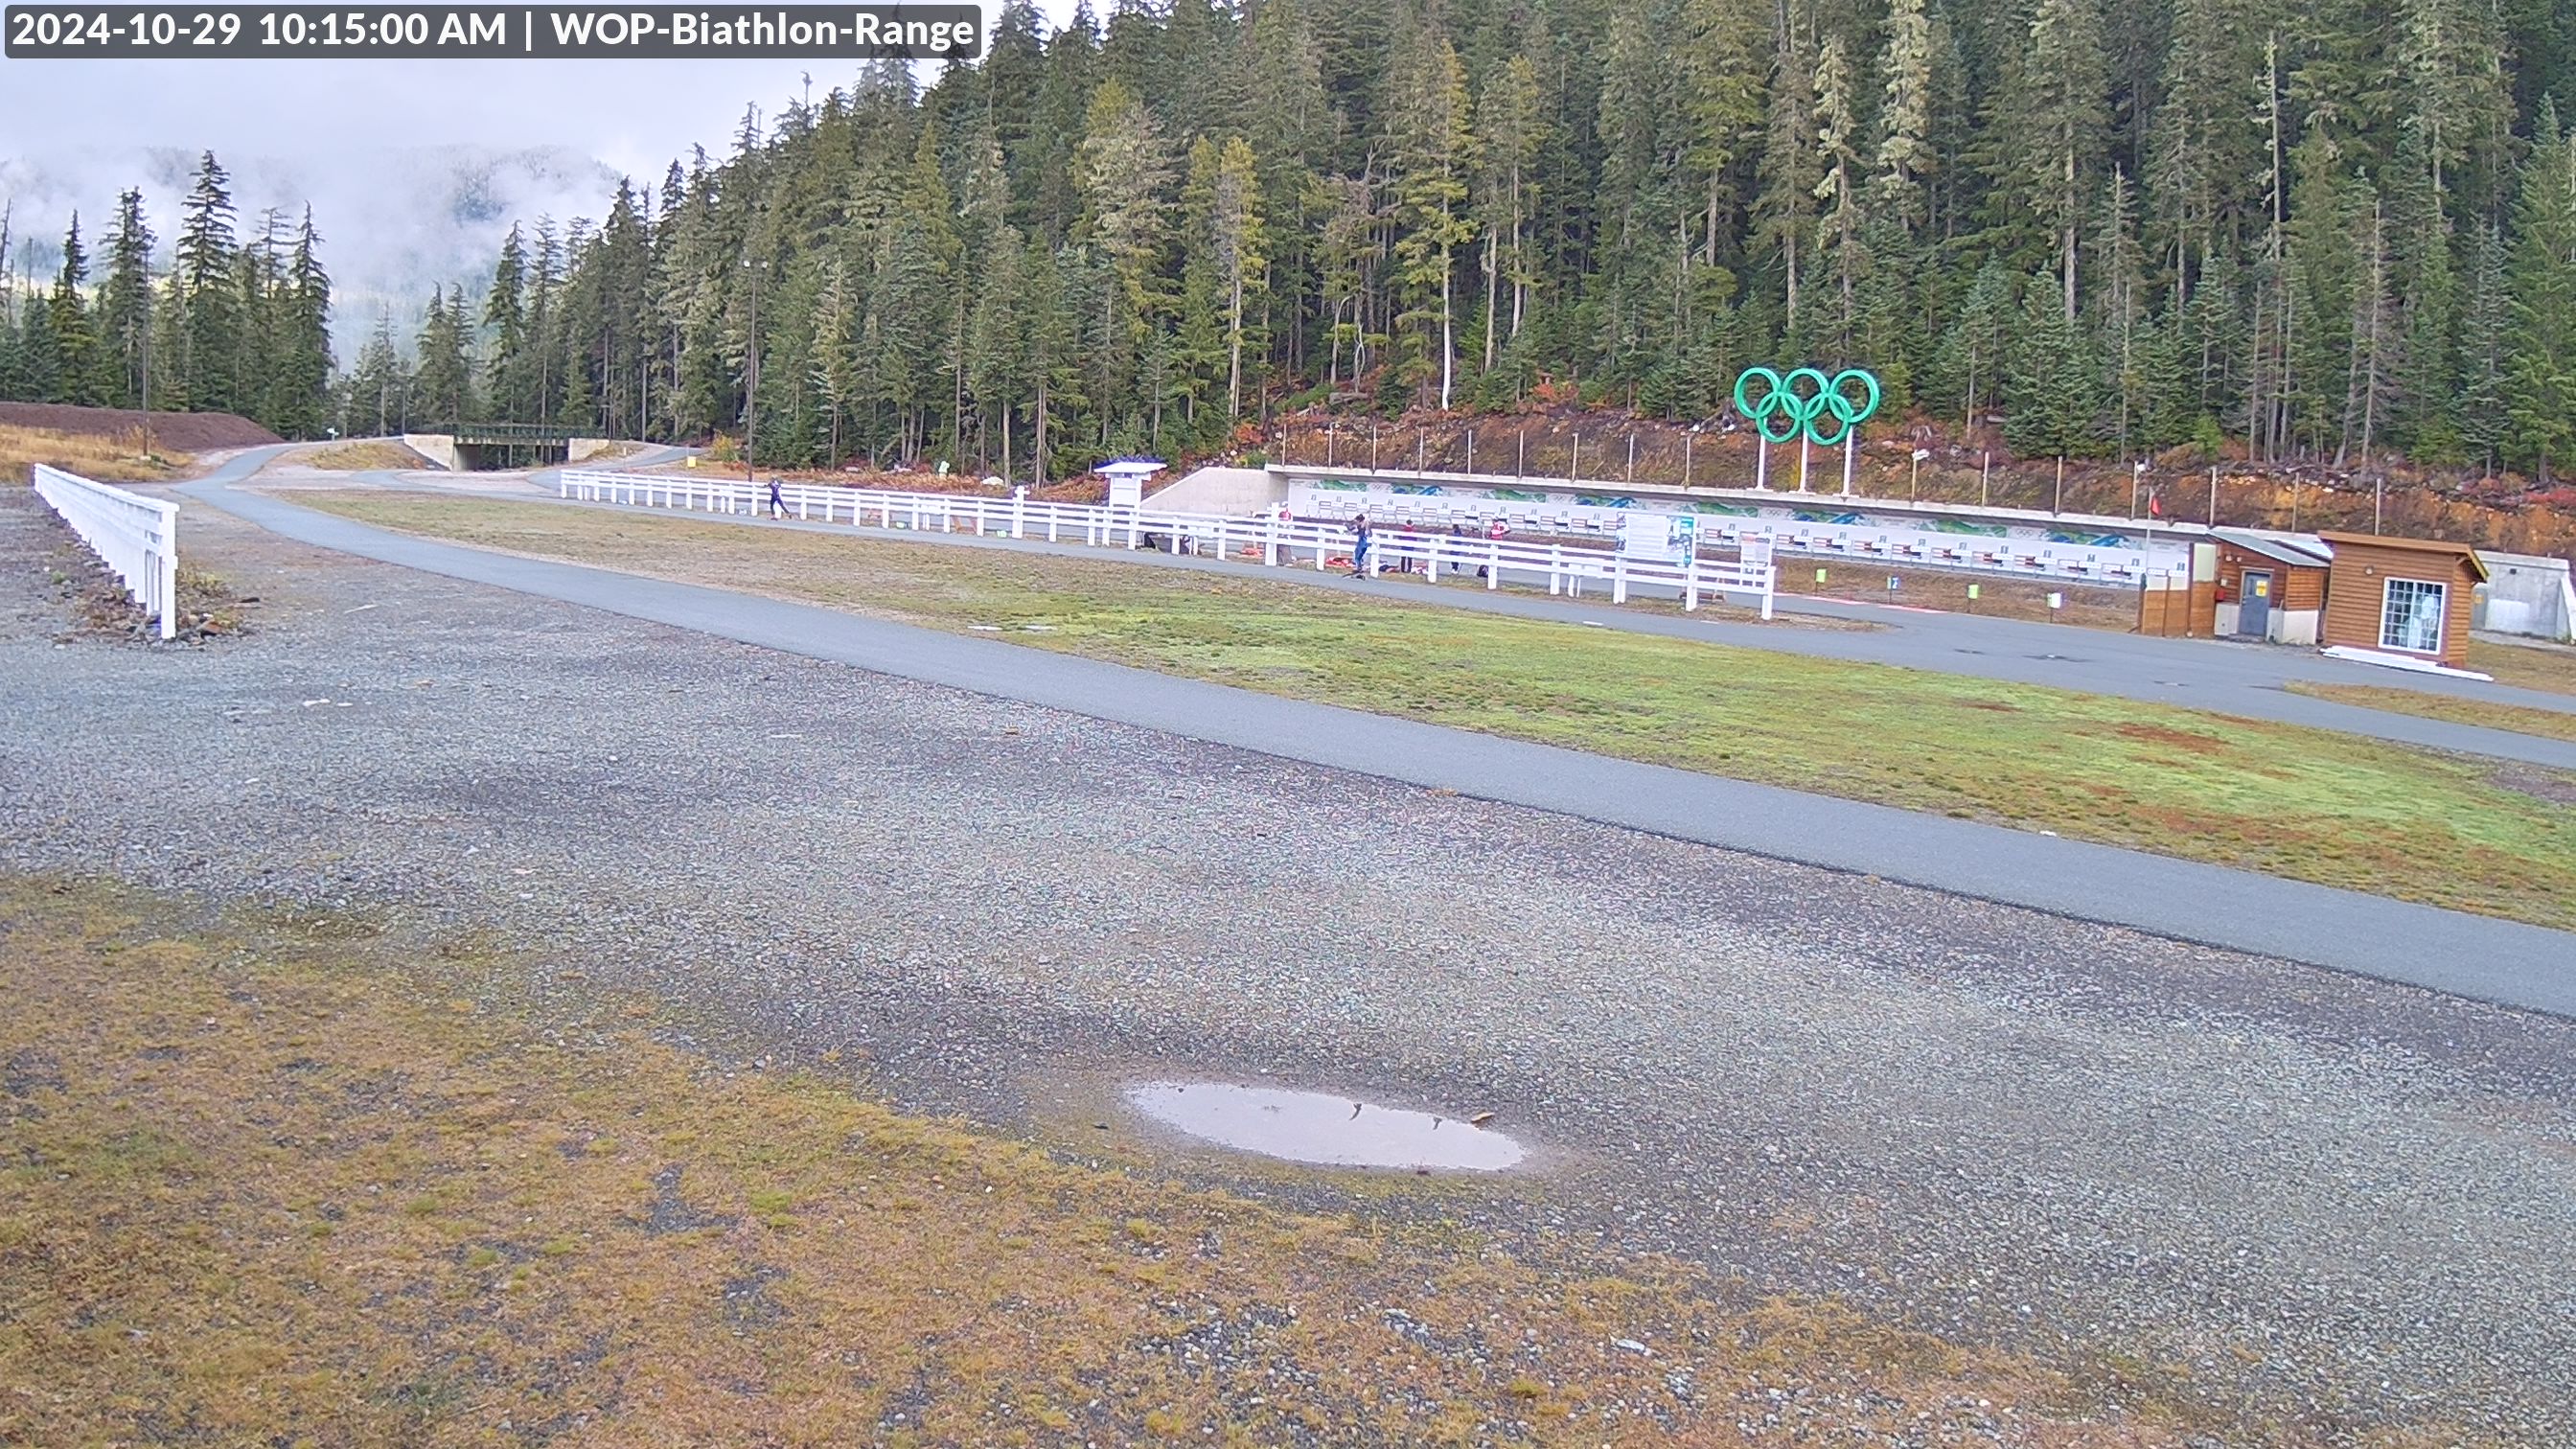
1127 479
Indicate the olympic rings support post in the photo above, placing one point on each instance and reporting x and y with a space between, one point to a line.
1810 408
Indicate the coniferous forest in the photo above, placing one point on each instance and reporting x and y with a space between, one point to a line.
2330 230
230 324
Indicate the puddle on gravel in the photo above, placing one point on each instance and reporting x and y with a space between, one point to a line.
1318 1128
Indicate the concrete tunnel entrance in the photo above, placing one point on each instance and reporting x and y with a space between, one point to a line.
486 446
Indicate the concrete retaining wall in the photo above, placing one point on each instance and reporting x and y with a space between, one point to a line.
587 448
439 448
2525 594
1228 492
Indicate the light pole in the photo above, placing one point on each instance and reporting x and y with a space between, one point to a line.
143 327
2138 476
751 372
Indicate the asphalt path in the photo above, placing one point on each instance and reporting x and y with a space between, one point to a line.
2474 956
2247 680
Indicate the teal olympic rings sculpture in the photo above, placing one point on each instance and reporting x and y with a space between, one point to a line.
1824 412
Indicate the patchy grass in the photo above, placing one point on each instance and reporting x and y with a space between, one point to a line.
368 455
2521 719
1947 590
102 458
269 1183
2310 804
2552 668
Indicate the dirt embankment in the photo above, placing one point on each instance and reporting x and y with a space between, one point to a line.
1554 441
171 432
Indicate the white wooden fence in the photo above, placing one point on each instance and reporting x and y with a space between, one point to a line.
1270 539
138 537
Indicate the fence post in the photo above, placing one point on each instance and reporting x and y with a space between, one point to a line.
168 547
1618 578
1270 544
1690 583
1555 568
1493 567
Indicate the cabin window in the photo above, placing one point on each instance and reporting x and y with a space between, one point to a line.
2410 616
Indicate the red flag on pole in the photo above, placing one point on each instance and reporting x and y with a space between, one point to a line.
2155 505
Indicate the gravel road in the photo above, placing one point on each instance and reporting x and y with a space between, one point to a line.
2338 1201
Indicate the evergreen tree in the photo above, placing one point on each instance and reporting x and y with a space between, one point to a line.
2485 423
258 363
442 395
2378 343
2053 392
1905 158
1224 267
1126 171
1786 206
1724 63
125 305
76 351
2540 278
207 345
505 324
1431 157
304 371
999 337
2051 123
1838 188
1511 126
380 389
13 382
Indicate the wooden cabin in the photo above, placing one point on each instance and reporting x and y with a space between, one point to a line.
2270 587
2406 596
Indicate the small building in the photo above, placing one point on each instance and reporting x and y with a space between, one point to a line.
1127 479
2526 594
2405 596
2269 587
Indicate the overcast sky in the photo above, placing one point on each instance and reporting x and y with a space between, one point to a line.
376 146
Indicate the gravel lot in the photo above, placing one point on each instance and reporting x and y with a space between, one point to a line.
2337 1201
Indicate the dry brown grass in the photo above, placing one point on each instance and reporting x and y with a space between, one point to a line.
2552 668
99 457
366 456
2520 719
304 1175
1947 590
